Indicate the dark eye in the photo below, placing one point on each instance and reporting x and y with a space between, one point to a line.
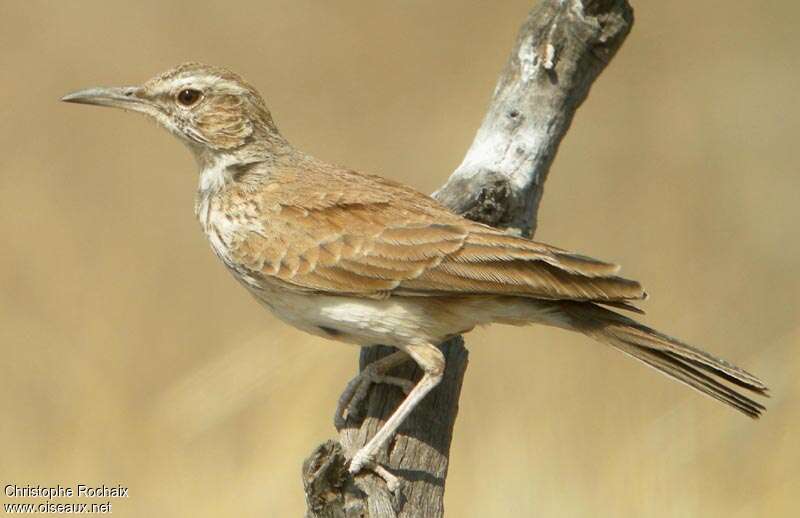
189 96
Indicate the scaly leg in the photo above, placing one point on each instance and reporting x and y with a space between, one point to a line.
431 360
358 388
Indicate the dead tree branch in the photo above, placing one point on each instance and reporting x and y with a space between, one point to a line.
561 49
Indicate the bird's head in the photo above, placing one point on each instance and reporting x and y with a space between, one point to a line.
212 109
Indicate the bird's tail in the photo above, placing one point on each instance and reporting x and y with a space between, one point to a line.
698 369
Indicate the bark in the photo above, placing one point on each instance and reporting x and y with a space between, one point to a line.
561 49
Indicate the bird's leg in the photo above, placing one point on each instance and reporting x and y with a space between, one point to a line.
431 360
358 388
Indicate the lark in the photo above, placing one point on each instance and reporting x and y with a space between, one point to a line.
361 259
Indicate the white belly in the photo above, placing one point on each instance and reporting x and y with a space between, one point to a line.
393 321
402 320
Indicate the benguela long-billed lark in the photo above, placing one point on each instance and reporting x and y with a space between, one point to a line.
361 259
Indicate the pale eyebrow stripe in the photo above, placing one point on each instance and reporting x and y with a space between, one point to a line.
202 82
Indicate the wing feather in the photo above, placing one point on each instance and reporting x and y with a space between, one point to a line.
367 236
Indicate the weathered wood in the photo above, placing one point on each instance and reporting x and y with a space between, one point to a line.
561 49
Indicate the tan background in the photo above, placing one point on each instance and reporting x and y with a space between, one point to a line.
130 356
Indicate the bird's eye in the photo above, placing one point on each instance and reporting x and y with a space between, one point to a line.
189 96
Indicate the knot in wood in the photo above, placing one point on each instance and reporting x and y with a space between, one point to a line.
492 204
324 477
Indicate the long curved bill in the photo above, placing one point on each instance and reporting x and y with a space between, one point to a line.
125 97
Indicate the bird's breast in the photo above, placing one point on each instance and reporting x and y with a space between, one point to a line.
225 227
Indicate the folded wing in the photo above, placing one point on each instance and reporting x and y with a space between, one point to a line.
379 239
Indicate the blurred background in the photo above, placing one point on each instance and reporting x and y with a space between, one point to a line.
131 357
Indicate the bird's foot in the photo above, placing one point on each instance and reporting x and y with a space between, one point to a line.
361 459
357 389
364 459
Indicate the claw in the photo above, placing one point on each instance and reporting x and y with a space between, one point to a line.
392 482
362 460
357 390
359 460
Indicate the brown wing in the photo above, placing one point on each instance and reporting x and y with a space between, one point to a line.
366 236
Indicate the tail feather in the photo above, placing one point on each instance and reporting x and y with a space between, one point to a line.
689 365
693 378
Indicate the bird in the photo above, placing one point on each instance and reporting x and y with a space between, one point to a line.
361 259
